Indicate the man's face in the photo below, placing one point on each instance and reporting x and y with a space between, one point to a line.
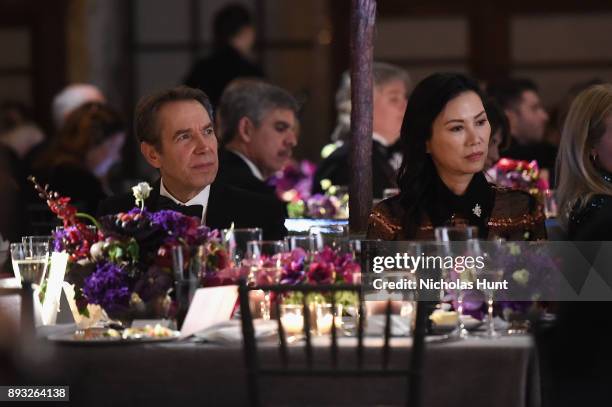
528 120
271 144
187 159
389 108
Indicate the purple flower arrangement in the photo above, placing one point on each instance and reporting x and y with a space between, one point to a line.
127 263
294 184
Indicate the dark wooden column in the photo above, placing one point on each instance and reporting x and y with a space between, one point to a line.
363 14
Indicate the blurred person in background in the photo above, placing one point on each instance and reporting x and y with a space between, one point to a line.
78 161
258 134
500 133
559 112
72 97
527 118
391 87
64 103
234 37
584 185
18 136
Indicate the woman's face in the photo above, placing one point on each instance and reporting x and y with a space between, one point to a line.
460 137
603 148
493 153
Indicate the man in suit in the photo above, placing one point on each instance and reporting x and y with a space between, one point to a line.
391 86
177 136
527 118
258 132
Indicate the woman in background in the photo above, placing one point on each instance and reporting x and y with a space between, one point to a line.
78 161
584 165
445 137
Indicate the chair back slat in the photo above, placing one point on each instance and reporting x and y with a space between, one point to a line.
387 333
249 344
417 357
306 325
281 336
334 339
360 332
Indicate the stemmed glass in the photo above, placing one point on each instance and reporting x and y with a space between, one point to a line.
264 259
235 242
493 273
458 241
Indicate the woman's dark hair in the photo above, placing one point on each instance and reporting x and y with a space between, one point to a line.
499 122
417 173
228 22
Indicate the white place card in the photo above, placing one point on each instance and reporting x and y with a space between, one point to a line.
209 306
57 271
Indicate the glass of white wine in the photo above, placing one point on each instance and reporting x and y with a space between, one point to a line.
30 261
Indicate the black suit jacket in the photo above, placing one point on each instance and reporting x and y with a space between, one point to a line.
234 172
225 205
337 169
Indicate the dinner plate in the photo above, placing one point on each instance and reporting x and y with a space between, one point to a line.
71 338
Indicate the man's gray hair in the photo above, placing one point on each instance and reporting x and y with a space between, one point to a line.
382 73
253 99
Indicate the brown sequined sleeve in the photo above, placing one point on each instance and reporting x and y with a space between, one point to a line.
382 224
517 216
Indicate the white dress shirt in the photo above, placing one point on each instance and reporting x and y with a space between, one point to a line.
200 199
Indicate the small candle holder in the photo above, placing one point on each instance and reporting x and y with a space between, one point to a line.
292 319
325 317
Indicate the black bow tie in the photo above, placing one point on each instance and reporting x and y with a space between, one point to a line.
188 210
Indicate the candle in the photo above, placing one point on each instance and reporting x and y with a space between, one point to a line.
292 323
324 318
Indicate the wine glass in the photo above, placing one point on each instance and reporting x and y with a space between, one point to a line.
264 258
457 241
492 273
235 242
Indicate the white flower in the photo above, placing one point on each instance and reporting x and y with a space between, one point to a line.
141 192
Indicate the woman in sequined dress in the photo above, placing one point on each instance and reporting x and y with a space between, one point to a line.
445 136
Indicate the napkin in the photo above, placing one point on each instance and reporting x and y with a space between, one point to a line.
231 331
400 325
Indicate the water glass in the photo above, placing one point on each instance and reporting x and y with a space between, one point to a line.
550 204
264 259
305 242
332 236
